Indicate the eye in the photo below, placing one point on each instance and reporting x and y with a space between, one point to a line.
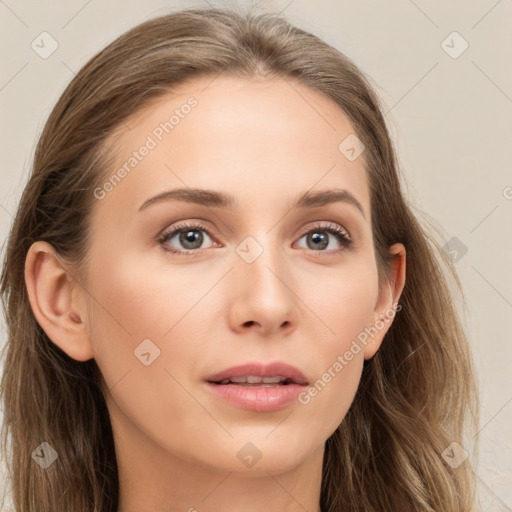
318 238
191 239
189 236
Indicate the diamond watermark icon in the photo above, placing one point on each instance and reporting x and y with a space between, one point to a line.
351 147
454 455
146 352
249 249
455 249
454 45
249 455
45 455
44 45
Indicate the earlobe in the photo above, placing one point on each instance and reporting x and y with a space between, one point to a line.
386 307
50 291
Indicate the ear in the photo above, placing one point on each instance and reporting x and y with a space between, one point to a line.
386 306
55 301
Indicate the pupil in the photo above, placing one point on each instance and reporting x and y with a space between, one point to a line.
319 238
191 237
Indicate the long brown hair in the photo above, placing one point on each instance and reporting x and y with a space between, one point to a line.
416 394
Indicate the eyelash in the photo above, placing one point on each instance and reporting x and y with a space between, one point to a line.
340 234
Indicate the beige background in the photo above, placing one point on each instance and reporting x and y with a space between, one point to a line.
451 119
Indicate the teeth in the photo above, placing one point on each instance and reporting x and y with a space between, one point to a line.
239 379
251 379
269 380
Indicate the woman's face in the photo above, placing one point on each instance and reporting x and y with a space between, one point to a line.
266 280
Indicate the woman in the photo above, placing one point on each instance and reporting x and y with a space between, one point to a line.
207 295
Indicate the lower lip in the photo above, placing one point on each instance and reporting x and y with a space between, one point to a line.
257 398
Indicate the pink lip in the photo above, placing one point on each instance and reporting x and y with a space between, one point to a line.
261 370
259 398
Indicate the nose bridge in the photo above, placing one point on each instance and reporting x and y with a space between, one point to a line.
263 264
262 281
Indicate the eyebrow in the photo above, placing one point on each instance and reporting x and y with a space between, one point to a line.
222 200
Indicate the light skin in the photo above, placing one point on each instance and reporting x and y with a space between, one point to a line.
266 143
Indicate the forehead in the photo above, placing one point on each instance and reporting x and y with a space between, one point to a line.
249 137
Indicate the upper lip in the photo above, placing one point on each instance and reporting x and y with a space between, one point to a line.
275 369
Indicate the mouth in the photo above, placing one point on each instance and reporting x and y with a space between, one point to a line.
258 387
261 397
259 375
255 381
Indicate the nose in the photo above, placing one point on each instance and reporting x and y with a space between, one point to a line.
261 298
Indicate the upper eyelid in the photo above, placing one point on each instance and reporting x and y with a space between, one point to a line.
185 225
325 224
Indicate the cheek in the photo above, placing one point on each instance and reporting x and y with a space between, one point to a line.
343 299
339 366
139 315
329 398
139 300
141 312
345 305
